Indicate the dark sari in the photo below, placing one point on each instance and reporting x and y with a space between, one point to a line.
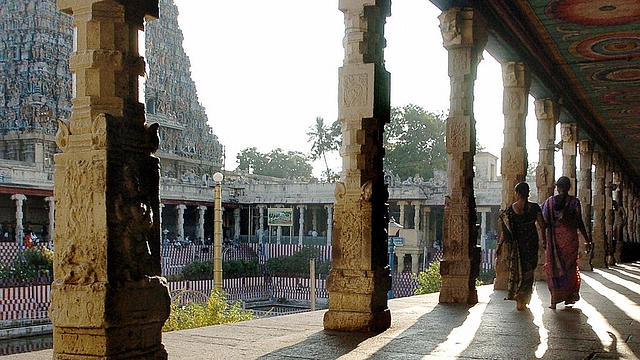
561 256
521 234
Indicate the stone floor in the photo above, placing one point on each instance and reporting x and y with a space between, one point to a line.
605 324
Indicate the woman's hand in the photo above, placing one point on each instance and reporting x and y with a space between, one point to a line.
499 250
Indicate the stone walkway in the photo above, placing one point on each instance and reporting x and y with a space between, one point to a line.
605 324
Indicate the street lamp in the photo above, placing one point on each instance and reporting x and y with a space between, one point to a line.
217 232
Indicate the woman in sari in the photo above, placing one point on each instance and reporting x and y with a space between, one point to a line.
563 215
519 229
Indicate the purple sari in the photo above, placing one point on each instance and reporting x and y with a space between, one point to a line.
561 256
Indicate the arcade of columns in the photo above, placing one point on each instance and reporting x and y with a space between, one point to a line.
108 299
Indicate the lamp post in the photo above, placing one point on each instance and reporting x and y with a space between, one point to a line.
217 232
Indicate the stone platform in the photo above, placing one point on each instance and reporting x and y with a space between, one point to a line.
605 324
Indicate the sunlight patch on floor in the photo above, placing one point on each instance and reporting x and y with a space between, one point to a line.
633 274
626 305
459 338
618 280
537 309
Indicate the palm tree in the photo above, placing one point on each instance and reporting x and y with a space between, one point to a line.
324 139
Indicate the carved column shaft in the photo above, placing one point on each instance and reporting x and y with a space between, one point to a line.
359 277
598 231
301 223
201 211
180 220
401 219
261 222
19 199
584 194
52 211
464 35
329 223
569 133
608 204
236 223
108 299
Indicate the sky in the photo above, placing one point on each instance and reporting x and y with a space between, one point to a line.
265 70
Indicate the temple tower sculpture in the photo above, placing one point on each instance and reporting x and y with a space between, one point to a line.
108 300
360 276
464 36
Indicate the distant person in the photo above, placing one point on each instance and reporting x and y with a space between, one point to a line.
520 232
563 215
314 233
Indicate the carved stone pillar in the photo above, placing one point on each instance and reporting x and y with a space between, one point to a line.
598 231
483 227
569 132
547 114
400 262
261 209
608 205
464 35
19 199
359 278
329 208
416 214
108 300
201 211
314 218
517 80
401 205
584 195
52 211
301 223
236 223
415 266
426 221
180 220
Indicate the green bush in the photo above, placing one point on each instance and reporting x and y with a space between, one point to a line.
430 280
217 310
486 277
297 264
240 268
198 270
30 264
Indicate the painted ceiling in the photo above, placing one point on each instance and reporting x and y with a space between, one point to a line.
585 53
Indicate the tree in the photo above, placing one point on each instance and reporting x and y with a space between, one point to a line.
277 163
415 142
324 139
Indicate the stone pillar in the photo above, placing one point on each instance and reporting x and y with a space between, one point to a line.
359 278
483 227
569 132
314 219
401 221
160 209
236 223
517 80
464 35
598 231
608 204
415 266
180 220
400 257
261 208
201 211
416 214
426 221
19 199
329 208
547 114
301 223
52 211
584 195
108 299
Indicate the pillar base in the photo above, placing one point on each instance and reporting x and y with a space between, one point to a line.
458 283
357 321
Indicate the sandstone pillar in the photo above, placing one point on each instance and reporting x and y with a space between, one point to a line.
415 266
201 211
483 227
261 208
608 207
426 221
180 220
464 35
400 262
236 223
19 199
301 223
598 231
329 208
569 132
52 211
314 219
584 195
359 278
108 300
517 80
547 114
402 205
416 214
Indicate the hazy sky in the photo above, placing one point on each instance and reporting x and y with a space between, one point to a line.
265 70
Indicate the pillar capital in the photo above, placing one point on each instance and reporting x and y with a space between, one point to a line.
18 197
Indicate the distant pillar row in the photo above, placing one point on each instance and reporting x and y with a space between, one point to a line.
548 115
598 231
464 36
585 147
360 278
608 192
517 80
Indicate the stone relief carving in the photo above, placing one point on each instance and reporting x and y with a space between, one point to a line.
62 136
99 132
451 33
568 133
457 135
354 90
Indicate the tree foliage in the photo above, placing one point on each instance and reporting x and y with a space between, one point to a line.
429 281
276 163
324 139
415 142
